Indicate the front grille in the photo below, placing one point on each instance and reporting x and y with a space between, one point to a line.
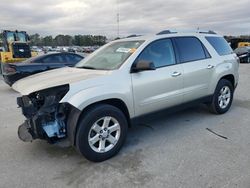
21 50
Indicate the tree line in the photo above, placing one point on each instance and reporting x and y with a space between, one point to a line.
92 40
67 40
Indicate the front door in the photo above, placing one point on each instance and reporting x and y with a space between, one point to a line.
161 88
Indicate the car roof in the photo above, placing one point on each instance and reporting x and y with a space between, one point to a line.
243 49
48 54
52 53
168 35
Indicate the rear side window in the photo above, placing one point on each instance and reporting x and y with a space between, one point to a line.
190 49
220 45
54 59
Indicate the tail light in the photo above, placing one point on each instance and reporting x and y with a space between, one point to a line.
7 69
238 59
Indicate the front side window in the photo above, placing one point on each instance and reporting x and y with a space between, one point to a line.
189 49
220 45
160 52
110 57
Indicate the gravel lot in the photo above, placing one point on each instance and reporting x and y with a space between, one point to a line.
174 150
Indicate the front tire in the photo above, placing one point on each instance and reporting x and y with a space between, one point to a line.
101 133
222 98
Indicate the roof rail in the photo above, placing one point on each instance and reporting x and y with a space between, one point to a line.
185 31
134 35
166 32
206 32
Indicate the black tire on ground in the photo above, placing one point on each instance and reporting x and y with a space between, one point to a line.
93 114
1 71
5 80
214 106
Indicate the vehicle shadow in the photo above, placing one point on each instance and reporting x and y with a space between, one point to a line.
164 122
128 164
161 123
6 89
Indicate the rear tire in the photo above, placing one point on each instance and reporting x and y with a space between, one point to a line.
101 132
222 98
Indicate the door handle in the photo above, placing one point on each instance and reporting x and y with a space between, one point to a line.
210 66
175 74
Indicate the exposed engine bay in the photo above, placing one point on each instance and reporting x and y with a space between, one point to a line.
46 117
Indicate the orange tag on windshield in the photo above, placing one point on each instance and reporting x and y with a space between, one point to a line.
132 50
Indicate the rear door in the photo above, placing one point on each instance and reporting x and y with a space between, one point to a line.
197 65
157 89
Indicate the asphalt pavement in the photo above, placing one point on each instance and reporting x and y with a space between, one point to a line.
167 150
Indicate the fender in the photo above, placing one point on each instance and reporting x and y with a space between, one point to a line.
221 70
83 98
88 96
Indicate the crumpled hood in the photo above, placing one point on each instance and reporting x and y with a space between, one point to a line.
54 78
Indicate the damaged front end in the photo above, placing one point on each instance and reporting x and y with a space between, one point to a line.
46 117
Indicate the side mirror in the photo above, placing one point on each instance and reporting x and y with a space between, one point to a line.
143 65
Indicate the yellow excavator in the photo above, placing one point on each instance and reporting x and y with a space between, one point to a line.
15 47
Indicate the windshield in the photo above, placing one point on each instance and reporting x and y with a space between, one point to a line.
111 57
10 37
21 37
242 50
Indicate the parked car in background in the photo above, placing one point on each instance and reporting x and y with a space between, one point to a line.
75 49
36 49
243 53
88 49
15 71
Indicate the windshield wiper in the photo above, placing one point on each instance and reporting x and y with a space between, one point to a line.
86 67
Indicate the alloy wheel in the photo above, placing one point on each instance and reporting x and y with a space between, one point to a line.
104 134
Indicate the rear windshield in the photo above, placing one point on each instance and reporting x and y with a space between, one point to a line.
220 45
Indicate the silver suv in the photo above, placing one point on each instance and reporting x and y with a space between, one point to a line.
91 105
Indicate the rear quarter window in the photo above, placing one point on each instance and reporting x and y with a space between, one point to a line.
220 45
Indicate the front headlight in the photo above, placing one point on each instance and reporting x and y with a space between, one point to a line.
32 103
57 93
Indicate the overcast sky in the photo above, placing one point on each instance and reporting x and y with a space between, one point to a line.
52 17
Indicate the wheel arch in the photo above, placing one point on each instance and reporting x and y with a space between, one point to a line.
230 78
118 103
